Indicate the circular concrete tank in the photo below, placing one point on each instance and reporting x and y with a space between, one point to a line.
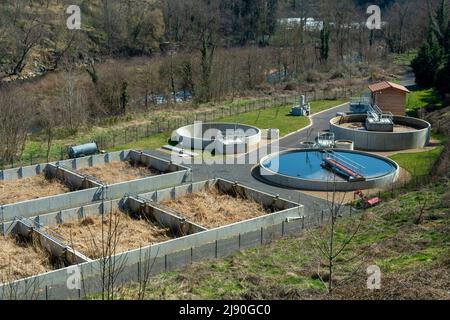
221 137
302 169
409 133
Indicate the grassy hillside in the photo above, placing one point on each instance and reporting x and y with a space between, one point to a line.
408 238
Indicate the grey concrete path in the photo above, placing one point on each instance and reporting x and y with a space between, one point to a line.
320 122
408 79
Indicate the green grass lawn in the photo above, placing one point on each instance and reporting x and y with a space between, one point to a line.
407 251
154 142
421 98
280 117
418 164
404 59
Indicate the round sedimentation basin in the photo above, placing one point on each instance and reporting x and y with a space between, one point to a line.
221 137
302 169
409 133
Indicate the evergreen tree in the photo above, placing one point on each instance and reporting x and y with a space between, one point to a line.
324 42
442 79
427 62
124 97
431 67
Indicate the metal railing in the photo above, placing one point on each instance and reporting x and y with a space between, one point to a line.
354 166
378 115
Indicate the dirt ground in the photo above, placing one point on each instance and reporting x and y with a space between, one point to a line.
117 172
20 260
213 209
91 235
30 188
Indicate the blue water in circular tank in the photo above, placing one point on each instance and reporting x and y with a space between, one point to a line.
307 164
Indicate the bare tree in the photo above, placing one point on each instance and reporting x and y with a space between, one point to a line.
16 113
72 101
330 242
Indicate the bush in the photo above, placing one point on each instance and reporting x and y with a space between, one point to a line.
313 76
290 87
426 64
442 79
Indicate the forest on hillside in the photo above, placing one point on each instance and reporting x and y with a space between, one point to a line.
34 35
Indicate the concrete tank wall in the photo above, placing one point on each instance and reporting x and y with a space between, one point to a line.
193 136
383 141
285 181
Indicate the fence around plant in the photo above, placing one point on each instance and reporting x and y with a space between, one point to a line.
121 137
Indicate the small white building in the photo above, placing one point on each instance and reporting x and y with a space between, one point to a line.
310 24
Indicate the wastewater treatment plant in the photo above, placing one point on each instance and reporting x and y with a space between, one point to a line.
217 150
169 209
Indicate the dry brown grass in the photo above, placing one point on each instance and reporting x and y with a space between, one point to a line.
90 235
21 260
117 172
29 189
213 209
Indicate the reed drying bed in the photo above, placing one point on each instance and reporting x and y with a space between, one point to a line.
117 172
90 236
21 260
30 188
213 209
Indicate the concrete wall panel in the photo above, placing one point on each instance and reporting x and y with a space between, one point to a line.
204 252
227 247
293 227
251 239
178 260
384 141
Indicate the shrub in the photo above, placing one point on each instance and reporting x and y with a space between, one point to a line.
426 64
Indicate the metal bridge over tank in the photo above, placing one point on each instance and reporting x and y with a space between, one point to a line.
380 121
343 166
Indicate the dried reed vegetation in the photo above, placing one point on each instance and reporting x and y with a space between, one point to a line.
117 172
21 260
91 235
30 188
213 209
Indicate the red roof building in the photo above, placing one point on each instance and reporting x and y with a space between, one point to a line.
390 97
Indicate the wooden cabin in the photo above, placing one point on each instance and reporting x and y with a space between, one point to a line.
390 97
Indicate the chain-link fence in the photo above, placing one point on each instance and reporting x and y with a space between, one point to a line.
157 125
